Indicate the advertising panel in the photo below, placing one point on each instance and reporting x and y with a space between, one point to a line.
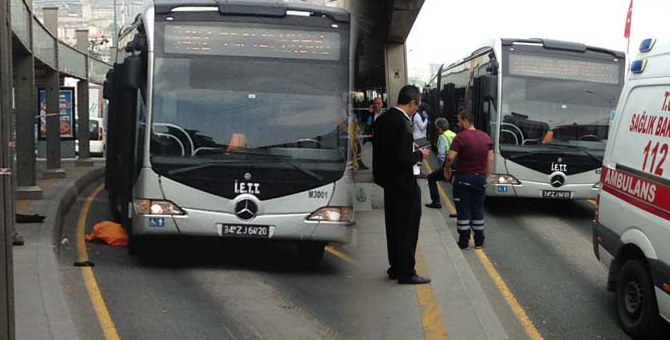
66 105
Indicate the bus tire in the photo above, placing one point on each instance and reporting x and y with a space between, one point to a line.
137 245
636 305
311 253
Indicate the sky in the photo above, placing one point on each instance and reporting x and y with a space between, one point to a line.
448 30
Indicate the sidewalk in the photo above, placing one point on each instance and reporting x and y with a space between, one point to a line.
39 305
454 303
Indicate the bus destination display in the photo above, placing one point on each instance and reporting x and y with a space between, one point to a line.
568 69
252 42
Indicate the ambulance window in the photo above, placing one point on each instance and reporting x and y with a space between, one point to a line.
643 131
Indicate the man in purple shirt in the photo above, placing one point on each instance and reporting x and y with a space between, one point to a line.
475 156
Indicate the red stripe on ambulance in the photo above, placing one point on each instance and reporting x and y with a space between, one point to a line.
642 193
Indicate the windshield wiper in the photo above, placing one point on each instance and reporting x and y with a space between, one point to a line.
580 148
303 170
528 153
282 159
246 152
207 165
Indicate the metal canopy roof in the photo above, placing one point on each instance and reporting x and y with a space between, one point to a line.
402 15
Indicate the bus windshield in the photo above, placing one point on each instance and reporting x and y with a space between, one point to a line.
550 102
229 97
219 88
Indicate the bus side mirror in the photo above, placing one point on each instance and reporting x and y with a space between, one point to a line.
489 88
132 71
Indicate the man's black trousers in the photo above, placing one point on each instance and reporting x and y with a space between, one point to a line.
402 215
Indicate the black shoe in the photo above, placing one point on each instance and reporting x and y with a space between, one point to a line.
391 273
453 215
434 205
414 280
362 166
464 246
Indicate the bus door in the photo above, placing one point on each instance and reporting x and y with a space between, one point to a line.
485 92
122 165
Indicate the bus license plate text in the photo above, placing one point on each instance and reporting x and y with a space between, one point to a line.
566 195
255 231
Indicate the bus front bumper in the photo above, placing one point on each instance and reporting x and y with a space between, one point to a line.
289 227
543 190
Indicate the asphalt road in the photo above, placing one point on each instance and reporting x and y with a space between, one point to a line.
542 249
211 289
207 289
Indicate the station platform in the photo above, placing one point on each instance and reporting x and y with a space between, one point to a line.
453 306
39 305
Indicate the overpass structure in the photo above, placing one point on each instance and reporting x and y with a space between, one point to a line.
32 56
383 27
40 60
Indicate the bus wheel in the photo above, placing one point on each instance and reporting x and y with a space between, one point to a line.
636 305
311 253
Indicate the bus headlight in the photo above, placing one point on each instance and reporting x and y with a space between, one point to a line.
156 207
332 214
503 179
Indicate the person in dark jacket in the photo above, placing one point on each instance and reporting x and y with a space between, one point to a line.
394 168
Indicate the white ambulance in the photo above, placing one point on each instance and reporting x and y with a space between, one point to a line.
631 234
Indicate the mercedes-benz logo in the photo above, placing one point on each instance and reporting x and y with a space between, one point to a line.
246 210
247 176
557 181
560 159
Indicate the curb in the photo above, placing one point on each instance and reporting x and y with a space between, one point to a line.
67 200
59 321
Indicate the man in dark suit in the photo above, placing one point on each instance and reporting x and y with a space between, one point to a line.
394 168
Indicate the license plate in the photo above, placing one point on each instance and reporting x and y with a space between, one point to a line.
556 194
240 230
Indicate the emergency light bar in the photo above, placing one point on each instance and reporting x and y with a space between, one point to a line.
647 45
638 66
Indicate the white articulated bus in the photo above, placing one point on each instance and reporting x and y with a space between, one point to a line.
229 119
546 104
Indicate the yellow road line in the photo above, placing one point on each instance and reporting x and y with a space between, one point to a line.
512 302
518 311
342 256
593 202
106 323
431 317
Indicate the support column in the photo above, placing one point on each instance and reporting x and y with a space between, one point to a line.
396 71
113 55
52 88
83 135
25 112
6 199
